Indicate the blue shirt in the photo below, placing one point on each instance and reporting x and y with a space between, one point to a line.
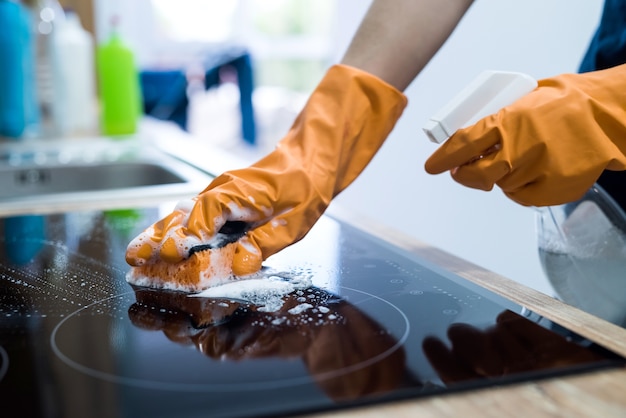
608 45
608 49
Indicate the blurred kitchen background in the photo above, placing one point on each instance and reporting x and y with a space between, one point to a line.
234 74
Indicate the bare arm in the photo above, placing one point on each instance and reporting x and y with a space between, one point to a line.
397 38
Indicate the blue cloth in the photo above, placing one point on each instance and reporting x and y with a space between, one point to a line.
165 91
242 65
608 49
165 95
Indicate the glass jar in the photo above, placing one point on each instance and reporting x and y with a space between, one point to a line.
582 249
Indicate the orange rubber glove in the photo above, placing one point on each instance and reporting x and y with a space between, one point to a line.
342 126
550 146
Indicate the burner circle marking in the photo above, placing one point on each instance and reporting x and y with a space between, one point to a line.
223 387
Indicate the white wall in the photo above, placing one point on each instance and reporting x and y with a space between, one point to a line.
539 37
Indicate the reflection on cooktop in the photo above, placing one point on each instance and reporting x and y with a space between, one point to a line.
332 342
377 324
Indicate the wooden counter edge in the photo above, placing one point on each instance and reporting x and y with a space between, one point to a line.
595 394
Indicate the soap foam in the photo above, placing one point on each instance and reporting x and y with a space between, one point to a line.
266 292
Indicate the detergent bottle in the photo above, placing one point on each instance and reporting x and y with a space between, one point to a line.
47 17
118 80
74 75
15 48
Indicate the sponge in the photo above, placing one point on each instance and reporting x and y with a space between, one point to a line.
203 269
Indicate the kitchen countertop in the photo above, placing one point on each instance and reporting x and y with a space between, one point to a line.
599 393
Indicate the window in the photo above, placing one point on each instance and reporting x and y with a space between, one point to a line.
194 20
290 40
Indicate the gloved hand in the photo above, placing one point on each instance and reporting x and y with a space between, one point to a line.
342 126
550 146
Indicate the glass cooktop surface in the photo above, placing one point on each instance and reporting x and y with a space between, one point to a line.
377 324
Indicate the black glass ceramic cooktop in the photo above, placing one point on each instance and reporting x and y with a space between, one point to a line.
380 324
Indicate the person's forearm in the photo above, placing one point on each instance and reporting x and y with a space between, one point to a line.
397 38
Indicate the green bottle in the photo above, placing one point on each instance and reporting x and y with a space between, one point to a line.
118 82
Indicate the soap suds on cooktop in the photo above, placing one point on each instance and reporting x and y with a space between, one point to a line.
266 292
300 308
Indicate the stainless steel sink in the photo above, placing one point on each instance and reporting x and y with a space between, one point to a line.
97 173
22 182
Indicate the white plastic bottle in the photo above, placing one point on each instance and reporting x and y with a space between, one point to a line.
486 94
47 16
74 78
